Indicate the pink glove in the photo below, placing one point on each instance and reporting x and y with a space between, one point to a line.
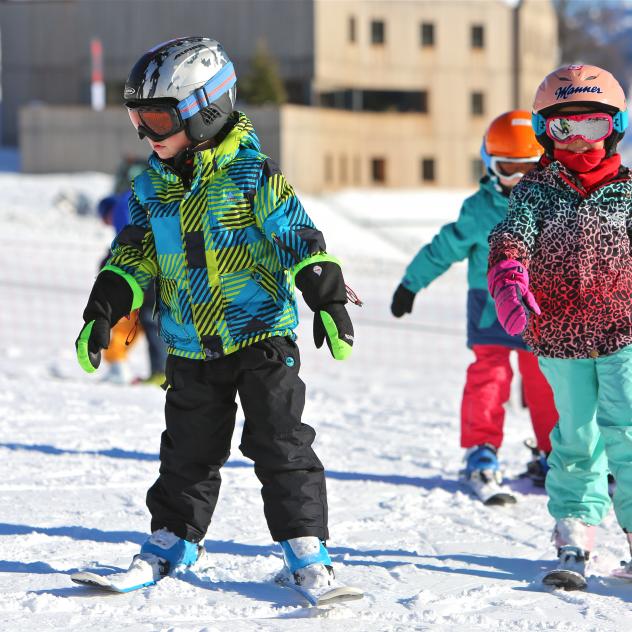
508 283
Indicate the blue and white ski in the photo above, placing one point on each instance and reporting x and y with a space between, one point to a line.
325 595
140 574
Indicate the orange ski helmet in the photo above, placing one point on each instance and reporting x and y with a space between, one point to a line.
580 85
510 138
510 135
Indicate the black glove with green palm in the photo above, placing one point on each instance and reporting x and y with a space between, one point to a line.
114 294
320 280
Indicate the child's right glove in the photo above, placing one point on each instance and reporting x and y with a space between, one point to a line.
114 294
320 280
508 283
402 302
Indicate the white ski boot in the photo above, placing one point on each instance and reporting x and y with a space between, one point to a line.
162 554
308 570
574 540
483 476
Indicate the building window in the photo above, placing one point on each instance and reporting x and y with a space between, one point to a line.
477 36
352 29
343 169
428 170
329 169
423 101
378 35
356 170
477 103
427 34
378 170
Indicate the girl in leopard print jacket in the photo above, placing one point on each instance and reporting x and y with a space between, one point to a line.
561 268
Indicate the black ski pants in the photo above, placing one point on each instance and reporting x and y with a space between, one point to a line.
200 418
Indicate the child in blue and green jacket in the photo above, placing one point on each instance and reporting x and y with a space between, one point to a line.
509 150
215 221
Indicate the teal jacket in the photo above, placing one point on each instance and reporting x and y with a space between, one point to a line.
222 247
467 238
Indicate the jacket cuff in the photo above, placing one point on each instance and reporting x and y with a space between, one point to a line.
320 279
138 296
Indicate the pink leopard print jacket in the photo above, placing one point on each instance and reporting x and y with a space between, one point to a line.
577 250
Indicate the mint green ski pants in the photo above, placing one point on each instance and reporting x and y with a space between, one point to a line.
593 435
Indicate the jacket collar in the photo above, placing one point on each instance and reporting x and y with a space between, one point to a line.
207 161
568 179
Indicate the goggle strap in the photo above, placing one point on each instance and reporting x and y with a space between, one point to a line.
620 121
487 159
203 96
538 122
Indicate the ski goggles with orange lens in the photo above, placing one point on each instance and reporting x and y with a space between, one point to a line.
156 120
512 168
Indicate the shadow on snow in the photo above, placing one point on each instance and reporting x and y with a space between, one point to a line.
433 482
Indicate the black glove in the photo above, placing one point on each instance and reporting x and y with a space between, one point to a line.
111 299
94 337
325 292
332 323
402 301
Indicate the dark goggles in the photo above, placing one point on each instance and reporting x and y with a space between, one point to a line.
156 121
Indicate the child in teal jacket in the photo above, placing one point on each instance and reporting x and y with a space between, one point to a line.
509 150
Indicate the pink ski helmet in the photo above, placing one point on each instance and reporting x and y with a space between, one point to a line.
581 85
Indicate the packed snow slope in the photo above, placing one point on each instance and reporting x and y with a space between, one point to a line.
77 455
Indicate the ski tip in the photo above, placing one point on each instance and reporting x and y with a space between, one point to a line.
565 580
500 499
337 595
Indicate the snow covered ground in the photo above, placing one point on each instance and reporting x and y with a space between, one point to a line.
77 455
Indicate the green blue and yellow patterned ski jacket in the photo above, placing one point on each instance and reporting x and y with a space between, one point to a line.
222 249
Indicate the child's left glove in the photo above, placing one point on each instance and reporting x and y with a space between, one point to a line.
320 280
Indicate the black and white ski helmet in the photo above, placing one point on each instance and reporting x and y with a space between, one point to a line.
193 73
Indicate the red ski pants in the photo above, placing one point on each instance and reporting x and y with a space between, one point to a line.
487 390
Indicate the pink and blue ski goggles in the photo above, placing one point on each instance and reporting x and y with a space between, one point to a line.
589 126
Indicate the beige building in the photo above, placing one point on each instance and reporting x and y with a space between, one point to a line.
434 72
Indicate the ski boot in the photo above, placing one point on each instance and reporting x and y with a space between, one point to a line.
167 553
162 554
574 540
308 561
309 571
538 467
482 475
